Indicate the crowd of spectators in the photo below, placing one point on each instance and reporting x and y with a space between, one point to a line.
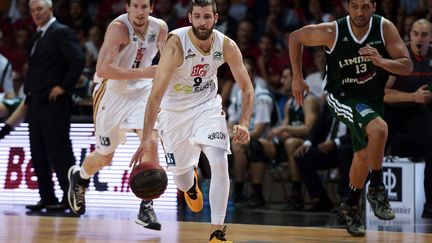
261 29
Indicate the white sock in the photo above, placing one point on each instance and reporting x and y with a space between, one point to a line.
83 174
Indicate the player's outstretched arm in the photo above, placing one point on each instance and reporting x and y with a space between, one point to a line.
171 58
234 59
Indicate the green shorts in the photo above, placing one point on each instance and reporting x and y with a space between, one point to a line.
356 113
11 104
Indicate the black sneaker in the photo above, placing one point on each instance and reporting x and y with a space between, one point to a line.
377 198
295 202
77 189
147 217
351 216
219 236
256 201
427 211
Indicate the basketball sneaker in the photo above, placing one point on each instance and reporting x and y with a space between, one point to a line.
219 236
194 197
377 198
351 216
147 217
77 189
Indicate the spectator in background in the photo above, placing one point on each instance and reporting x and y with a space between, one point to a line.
23 19
252 156
315 13
327 145
17 54
284 60
278 18
164 9
249 50
225 24
315 80
7 93
14 119
92 47
55 64
268 62
406 112
407 24
245 39
283 140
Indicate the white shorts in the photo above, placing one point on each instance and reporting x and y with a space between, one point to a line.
184 132
115 114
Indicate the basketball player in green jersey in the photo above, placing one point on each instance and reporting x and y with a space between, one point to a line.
361 50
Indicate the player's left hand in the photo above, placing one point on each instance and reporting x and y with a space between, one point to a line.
143 148
371 53
241 134
55 91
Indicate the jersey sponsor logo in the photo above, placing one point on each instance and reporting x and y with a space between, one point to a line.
187 89
200 70
363 109
217 135
345 39
170 161
217 55
360 80
138 57
105 141
151 38
374 42
353 61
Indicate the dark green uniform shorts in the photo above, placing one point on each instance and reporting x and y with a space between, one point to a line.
356 113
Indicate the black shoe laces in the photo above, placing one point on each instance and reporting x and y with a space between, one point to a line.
149 212
80 193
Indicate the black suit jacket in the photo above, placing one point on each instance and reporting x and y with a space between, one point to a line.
322 126
57 60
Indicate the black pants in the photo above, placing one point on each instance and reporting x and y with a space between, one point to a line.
51 148
315 160
410 135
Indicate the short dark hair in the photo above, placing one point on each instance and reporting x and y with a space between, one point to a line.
372 1
128 2
203 3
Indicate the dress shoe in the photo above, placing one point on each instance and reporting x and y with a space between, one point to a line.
323 204
427 211
38 206
57 207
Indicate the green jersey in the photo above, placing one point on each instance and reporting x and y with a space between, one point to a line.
348 73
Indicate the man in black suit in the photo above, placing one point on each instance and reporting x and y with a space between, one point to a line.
328 145
55 64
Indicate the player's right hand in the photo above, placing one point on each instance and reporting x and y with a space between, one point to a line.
143 148
241 134
299 87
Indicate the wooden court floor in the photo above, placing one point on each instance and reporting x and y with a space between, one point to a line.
41 229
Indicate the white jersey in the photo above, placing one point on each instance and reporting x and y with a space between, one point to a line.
139 52
194 82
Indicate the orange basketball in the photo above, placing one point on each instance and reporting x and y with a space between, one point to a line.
148 180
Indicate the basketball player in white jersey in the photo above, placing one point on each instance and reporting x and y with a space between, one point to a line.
124 72
191 119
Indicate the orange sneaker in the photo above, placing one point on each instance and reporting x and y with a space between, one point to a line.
194 198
